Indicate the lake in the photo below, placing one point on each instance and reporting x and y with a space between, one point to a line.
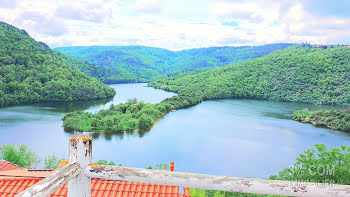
243 138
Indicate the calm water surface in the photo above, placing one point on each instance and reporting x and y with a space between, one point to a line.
245 138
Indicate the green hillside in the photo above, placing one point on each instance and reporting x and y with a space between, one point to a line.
31 72
120 64
295 74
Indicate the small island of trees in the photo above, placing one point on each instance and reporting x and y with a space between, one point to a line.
128 116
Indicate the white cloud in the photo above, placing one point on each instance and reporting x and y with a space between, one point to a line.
149 6
281 21
303 26
238 11
7 3
41 24
86 10
160 23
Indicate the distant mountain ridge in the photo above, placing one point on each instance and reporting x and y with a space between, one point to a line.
31 72
304 74
118 64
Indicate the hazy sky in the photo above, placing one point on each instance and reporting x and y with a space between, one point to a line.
180 24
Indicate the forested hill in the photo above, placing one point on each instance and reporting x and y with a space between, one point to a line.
296 74
120 64
31 72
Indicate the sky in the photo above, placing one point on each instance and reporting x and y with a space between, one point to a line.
180 24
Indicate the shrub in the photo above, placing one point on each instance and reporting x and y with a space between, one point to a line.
20 155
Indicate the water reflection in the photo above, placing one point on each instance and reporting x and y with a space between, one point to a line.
108 136
66 107
278 115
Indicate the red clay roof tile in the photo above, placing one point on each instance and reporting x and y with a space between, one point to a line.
20 173
5 165
100 188
14 180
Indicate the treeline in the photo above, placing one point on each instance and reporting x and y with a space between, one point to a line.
333 119
128 116
121 64
31 72
294 74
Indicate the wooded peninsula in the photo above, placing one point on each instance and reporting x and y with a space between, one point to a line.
294 74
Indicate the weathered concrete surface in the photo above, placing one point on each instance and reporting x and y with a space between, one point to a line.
223 183
80 152
52 183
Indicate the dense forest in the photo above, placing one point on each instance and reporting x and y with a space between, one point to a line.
31 72
295 74
333 119
128 116
122 64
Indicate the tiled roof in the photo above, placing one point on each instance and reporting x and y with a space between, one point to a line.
5 165
18 179
26 173
9 187
130 189
12 186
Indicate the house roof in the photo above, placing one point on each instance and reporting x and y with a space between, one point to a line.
12 182
5 165
25 173
10 187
